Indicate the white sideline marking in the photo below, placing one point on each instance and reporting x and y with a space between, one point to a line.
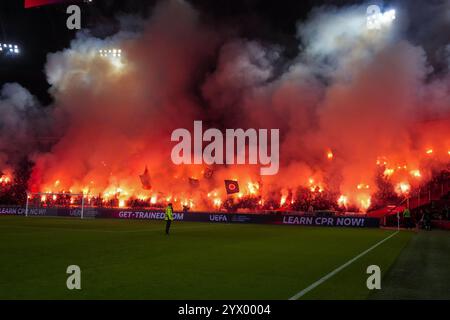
332 273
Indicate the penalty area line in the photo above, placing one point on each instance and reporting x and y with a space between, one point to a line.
335 271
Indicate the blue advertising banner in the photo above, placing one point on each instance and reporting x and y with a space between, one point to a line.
305 220
358 221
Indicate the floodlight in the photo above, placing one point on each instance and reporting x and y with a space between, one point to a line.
110 52
388 16
9 49
376 19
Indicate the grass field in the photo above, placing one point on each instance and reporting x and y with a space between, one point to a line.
422 269
134 259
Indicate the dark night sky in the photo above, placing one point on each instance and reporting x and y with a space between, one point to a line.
41 30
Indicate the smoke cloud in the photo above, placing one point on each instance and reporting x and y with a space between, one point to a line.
21 118
351 99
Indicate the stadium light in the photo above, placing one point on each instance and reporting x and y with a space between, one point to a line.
114 55
377 19
9 49
388 16
111 53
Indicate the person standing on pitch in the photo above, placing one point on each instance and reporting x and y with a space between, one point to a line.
407 218
168 217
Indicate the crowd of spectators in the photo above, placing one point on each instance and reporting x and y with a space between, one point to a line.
301 199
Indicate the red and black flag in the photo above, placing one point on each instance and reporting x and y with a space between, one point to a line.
231 186
145 180
194 183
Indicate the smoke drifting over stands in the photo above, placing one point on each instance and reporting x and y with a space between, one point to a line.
353 106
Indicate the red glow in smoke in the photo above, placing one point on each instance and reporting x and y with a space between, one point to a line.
38 3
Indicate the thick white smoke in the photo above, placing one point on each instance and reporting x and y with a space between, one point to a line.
20 119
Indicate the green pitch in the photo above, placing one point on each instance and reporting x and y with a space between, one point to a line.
135 260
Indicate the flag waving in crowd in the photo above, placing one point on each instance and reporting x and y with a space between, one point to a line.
231 186
208 173
194 183
145 180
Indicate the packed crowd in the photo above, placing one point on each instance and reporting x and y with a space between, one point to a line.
302 199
